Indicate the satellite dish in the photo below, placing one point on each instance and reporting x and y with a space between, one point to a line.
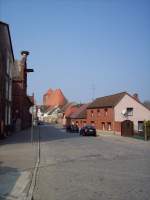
124 111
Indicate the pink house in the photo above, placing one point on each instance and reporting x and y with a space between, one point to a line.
121 113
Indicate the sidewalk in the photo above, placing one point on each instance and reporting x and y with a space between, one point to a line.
17 161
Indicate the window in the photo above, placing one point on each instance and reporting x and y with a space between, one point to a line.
109 126
103 126
92 114
92 123
6 88
98 112
129 111
6 115
10 91
9 115
106 110
140 126
8 65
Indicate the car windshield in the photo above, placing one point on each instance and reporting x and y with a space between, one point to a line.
89 126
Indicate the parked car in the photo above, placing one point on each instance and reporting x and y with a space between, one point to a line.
68 128
40 123
72 128
88 130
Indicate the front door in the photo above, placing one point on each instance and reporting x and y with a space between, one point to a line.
127 128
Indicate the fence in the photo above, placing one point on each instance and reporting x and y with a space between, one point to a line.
147 131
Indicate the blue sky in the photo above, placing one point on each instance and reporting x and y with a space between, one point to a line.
76 45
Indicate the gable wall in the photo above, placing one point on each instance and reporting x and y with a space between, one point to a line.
140 113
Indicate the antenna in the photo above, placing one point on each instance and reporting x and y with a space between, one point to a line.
124 112
93 91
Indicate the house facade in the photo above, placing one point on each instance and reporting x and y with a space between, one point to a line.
53 114
80 116
110 113
73 108
6 67
130 108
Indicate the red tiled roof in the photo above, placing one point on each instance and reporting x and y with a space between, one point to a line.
107 101
67 105
71 109
80 113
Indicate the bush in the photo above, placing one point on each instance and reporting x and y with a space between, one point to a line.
147 123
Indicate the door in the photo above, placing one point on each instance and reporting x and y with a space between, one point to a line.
127 128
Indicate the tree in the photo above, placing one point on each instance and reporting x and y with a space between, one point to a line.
43 108
147 104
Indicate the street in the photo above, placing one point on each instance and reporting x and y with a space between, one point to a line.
91 168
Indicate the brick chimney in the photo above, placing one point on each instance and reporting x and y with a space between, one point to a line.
24 55
23 64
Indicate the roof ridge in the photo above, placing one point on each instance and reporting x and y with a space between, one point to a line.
107 101
112 95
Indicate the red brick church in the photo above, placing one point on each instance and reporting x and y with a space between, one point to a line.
54 98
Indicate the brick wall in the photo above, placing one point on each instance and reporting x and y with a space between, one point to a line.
117 127
101 118
21 105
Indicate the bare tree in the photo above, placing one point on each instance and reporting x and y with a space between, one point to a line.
147 104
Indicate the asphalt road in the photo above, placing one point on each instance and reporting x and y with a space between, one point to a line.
91 168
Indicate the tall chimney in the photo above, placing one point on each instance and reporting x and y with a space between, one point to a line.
24 55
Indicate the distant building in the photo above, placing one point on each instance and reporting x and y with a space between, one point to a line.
46 97
21 101
80 116
6 66
54 98
53 114
73 108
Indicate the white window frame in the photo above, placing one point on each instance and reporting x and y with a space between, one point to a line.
129 111
140 123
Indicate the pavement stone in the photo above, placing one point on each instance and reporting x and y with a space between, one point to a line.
17 162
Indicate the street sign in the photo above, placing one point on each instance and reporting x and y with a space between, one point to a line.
32 109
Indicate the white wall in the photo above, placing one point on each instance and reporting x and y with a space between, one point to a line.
140 113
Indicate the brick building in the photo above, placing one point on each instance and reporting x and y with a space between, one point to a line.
21 101
80 116
54 98
6 66
72 108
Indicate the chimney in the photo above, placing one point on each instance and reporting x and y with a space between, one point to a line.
24 55
136 96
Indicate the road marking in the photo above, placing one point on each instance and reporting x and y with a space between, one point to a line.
21 184
13 185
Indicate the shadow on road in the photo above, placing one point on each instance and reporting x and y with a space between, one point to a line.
23 136
54 132
47 132
8 179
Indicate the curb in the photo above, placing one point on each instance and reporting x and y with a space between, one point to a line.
34 177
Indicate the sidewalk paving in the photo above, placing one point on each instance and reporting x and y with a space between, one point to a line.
17 161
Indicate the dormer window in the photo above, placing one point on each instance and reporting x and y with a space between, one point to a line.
129 111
